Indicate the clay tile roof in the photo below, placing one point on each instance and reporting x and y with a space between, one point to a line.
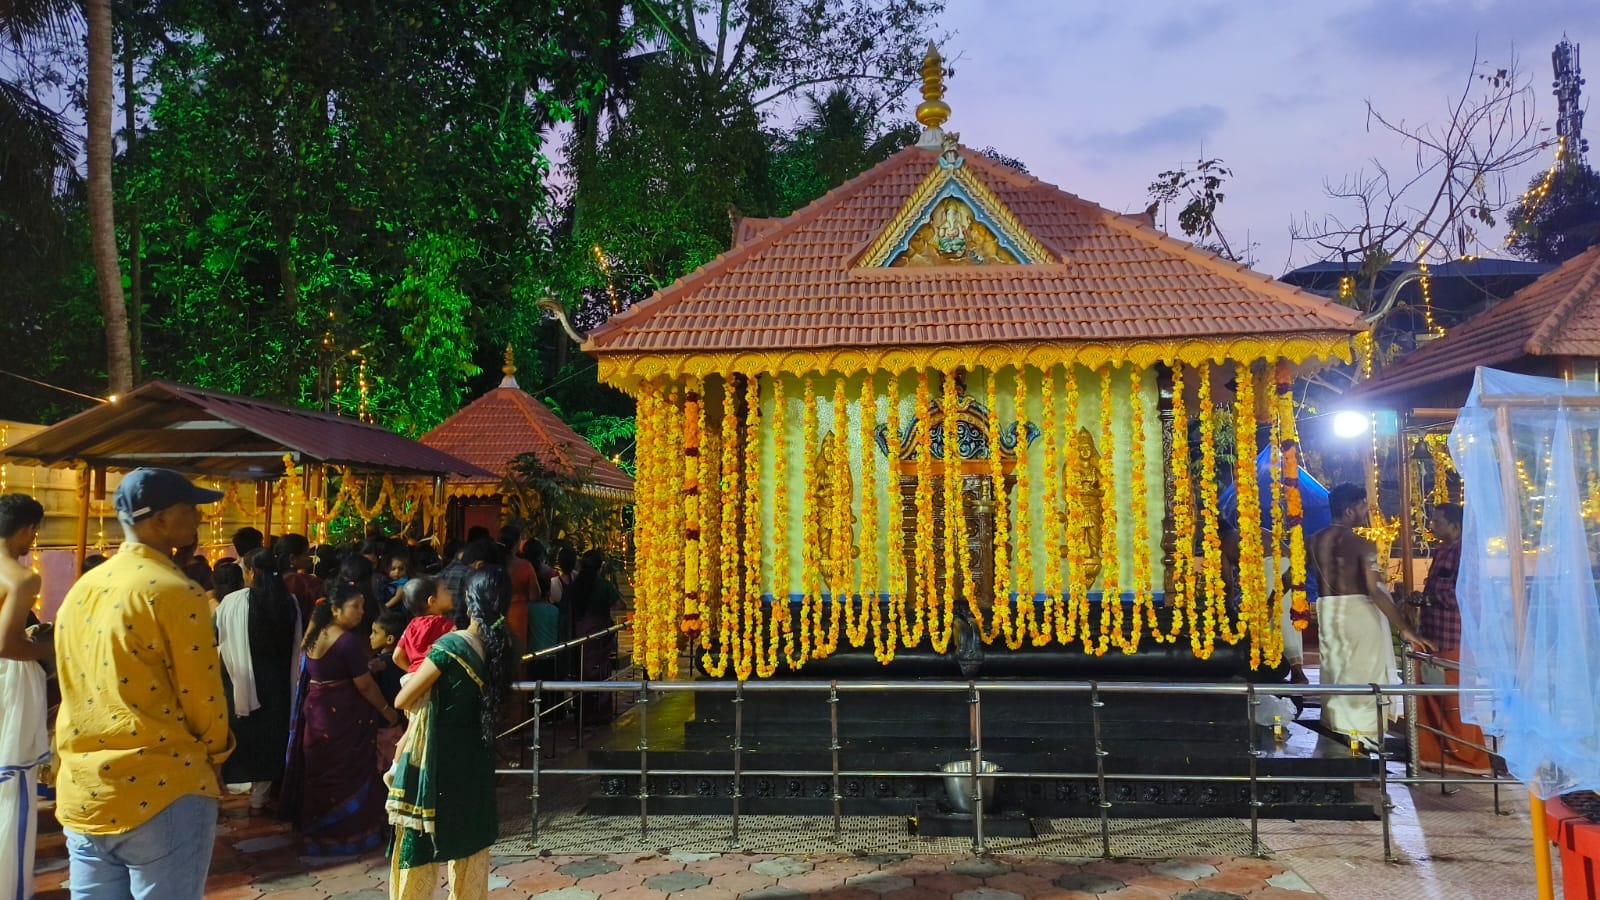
1558 315
505 423
794 283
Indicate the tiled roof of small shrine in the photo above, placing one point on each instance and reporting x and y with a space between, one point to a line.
493 430
1558 315
800 283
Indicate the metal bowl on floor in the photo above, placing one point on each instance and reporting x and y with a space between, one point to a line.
958 784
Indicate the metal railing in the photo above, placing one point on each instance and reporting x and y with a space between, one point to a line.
1096 692
1414 761
556 652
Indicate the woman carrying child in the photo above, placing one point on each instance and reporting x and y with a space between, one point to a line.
442 799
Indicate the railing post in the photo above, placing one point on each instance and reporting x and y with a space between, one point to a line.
1251 703
533 823
1383 775
975 730
833 747
1100 770
582 698
644 755
738 758
1410 670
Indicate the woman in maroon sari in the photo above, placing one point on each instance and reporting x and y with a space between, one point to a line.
332 789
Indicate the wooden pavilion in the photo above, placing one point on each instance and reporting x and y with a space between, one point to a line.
944 332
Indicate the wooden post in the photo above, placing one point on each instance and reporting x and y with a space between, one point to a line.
266 505
1407 537
85 489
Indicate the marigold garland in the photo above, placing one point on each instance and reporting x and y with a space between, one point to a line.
1076 615
1000 609
968 583
1252 562
1279 532
869 618
751 615
730 500
841 537
693 505
1024 622
926 596
1300 608
1050 494
780 618
1111 613
675 527
895 545
1144 608
942 621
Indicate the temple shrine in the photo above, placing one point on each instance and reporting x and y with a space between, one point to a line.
944 332
951 419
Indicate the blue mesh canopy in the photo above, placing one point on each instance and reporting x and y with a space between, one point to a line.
1313 500
1527 449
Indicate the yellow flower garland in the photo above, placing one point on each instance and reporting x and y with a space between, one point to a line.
1050 491
839 587
1144 608
1300 608
1000 617
811 555
1252 562
927 591
675 528
894 545
1216 591
729 500
1076 615
1111 614
940 626
1279 532
693 505
780 626
1024 623
750 615
869 617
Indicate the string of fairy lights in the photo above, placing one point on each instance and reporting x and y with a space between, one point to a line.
1534 196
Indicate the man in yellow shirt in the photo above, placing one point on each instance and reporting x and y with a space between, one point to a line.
144 720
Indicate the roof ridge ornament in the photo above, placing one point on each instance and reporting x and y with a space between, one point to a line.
510 369
932 112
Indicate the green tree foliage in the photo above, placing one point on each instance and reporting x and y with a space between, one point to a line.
839 138
323 184
1561 224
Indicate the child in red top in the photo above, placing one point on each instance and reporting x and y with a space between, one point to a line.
428 601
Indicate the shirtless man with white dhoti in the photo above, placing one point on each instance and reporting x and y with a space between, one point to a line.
24 729
1354 613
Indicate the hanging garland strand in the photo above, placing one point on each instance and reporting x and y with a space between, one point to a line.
1026 615
1050 494
1111 614
894 522
841 538
730 500
780 626
1252 563
1000 618
1071 614
869 615
811 511
1300 609
942 624
927 591
694 424
1144 607
751 614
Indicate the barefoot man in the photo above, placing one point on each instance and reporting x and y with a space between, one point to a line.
1353 619
24 737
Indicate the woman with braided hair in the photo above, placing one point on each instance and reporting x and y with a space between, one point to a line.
441 797
256 630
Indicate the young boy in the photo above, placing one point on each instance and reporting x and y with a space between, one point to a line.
429 603
386 633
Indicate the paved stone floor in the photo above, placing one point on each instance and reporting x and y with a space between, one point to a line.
1447 847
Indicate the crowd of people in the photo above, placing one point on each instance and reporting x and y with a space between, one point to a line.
356 692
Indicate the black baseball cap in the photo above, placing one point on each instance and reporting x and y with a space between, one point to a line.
145 492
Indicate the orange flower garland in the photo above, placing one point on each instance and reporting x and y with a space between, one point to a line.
1025 621
870 616
942 613
927 592
968 583
1252 564
1050 491
1279 532
1000 619
1300 608
895 554
780 618
730 499
1076 615
1144 608
841 537
1111 614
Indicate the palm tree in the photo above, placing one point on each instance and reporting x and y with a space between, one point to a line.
102 221
38 150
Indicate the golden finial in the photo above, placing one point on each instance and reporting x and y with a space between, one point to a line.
933 111
510 368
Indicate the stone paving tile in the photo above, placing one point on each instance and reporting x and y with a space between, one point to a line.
348 882
672 882
772 893
1207 894
1289 881
568 893
1024 883
949 882
781 867
720 865
612 881
1235 882
740 882
543 881
1183 869
585 868
709 892
979 868
883 882
1089 883
988 893
653 865
637 893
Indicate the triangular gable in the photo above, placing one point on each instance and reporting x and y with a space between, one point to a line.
953 218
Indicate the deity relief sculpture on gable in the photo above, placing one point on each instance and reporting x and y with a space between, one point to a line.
953 236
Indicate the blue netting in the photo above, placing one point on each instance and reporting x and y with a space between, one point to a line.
1313 499
1528 457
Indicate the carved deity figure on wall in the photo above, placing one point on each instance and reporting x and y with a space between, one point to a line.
953 236
1081 470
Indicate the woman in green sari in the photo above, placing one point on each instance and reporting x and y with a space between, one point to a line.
441 796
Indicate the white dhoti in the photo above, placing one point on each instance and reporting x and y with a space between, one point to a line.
24 746
1356 648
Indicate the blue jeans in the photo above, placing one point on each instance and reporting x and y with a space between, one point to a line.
166 857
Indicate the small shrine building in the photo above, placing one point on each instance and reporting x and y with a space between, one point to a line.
946 333
491 433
